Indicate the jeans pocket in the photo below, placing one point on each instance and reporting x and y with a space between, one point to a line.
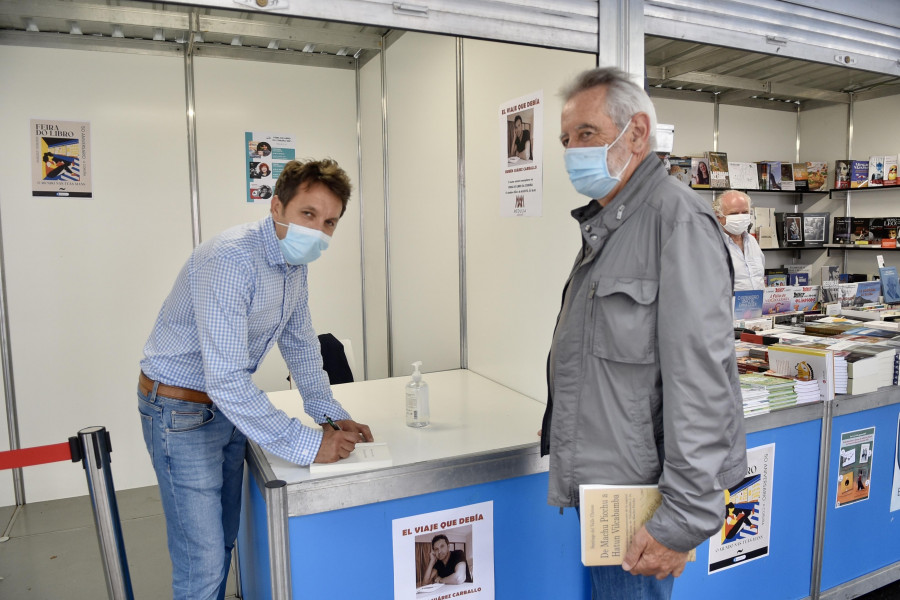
189 420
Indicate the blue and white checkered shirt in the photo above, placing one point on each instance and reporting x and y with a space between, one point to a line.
233 299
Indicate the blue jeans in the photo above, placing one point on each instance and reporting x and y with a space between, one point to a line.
612 583
198 456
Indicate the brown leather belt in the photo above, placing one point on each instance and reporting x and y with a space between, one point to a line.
171 391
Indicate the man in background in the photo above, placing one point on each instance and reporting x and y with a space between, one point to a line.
643 384
238 294
733 212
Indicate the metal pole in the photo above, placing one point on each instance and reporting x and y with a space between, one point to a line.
192 127
815 586
461 203
387 206
279 541
362 228
9 388
95 449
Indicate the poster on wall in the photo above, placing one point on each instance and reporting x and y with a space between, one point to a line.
895 488
855 466
266 154
445 554
61 158
745 532
522 156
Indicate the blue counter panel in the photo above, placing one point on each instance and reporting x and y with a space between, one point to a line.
787 571
253 544
864 536
536 551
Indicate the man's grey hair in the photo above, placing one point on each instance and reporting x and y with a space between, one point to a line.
717 202
624 98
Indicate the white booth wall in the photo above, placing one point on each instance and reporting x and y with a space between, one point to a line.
86 277
516 266
422 156
78 270
317 106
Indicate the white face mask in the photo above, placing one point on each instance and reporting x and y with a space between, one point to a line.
737 224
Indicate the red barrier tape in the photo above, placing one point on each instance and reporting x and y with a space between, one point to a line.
39 455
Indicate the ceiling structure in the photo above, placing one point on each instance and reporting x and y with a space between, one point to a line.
674 68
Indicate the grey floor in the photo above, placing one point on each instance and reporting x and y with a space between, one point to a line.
53 553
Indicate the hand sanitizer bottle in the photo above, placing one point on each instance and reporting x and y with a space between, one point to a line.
417 399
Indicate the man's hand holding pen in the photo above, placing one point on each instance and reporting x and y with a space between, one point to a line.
340 438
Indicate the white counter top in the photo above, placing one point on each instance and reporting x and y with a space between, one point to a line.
470 414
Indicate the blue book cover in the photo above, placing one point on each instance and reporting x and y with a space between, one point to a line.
890 284
748 304
868 290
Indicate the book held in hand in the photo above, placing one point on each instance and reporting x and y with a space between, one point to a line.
610 516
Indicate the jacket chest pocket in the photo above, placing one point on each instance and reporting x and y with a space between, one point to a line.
623 318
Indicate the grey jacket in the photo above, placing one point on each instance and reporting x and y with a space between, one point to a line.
643 384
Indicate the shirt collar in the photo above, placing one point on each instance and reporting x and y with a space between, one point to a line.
270 242
628 199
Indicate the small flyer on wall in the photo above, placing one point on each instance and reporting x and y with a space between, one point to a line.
855 471
266 155
895 488
522 156
61 158
745 532
445 554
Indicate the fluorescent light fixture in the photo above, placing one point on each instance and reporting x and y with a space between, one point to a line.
30 25
342 52
236 41
117 32
273 45
158 35
309 48
74 29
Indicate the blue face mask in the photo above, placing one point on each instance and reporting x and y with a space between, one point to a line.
589 170
302 245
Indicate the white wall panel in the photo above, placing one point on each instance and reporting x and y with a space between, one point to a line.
516 267
424 257
86 276
318 107
373 220
693 121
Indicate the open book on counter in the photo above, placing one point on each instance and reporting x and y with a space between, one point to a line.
366 456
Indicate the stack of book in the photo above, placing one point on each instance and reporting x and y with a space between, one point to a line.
806 363
755 400
782 393
807 391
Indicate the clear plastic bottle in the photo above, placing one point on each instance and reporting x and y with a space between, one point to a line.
417 414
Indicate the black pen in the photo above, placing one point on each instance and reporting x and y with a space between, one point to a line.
332 423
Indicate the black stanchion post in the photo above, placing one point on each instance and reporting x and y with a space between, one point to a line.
94 448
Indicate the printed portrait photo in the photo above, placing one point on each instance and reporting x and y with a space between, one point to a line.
444 558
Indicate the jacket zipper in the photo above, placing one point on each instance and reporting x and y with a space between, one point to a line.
591 297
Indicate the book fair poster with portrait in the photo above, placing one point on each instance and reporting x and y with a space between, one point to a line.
895 488
855 466
266 154
746 530
61 158
522 156
453 540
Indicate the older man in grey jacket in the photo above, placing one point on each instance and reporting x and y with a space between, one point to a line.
643 383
